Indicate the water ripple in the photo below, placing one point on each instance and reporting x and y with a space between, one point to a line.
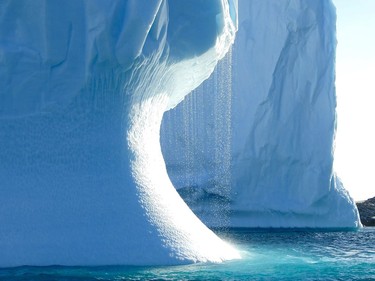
266 255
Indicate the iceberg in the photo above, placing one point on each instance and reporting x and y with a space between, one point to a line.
83 88
257 145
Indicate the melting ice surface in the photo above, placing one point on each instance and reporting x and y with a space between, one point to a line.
83 90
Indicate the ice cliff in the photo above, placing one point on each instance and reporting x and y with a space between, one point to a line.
256 148
83 88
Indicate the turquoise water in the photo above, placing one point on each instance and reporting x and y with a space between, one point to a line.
267 255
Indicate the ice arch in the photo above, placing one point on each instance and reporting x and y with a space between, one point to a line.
83 89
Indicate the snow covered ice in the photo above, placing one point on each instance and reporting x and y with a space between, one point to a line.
281 120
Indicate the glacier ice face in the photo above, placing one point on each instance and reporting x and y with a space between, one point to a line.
281 120
83 89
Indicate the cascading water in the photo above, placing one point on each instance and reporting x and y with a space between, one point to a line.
222 133
189 135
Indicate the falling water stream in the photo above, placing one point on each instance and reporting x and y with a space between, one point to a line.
196 141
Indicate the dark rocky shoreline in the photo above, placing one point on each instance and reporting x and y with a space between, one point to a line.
367 212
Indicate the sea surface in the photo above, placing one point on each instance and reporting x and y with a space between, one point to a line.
267 255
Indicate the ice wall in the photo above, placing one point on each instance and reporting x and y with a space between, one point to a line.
83 88
282 119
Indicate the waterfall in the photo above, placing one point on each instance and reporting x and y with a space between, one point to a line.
199 157
222 135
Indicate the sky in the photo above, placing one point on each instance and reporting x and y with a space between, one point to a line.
355 90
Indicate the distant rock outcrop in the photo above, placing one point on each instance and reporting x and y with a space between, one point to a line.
367 212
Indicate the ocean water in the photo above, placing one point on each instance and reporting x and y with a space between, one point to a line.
267 255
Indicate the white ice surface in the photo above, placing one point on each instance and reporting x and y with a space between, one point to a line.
83 88
277 170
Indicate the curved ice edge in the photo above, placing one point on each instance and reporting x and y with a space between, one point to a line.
187 238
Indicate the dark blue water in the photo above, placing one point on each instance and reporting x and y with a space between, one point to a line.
267 255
